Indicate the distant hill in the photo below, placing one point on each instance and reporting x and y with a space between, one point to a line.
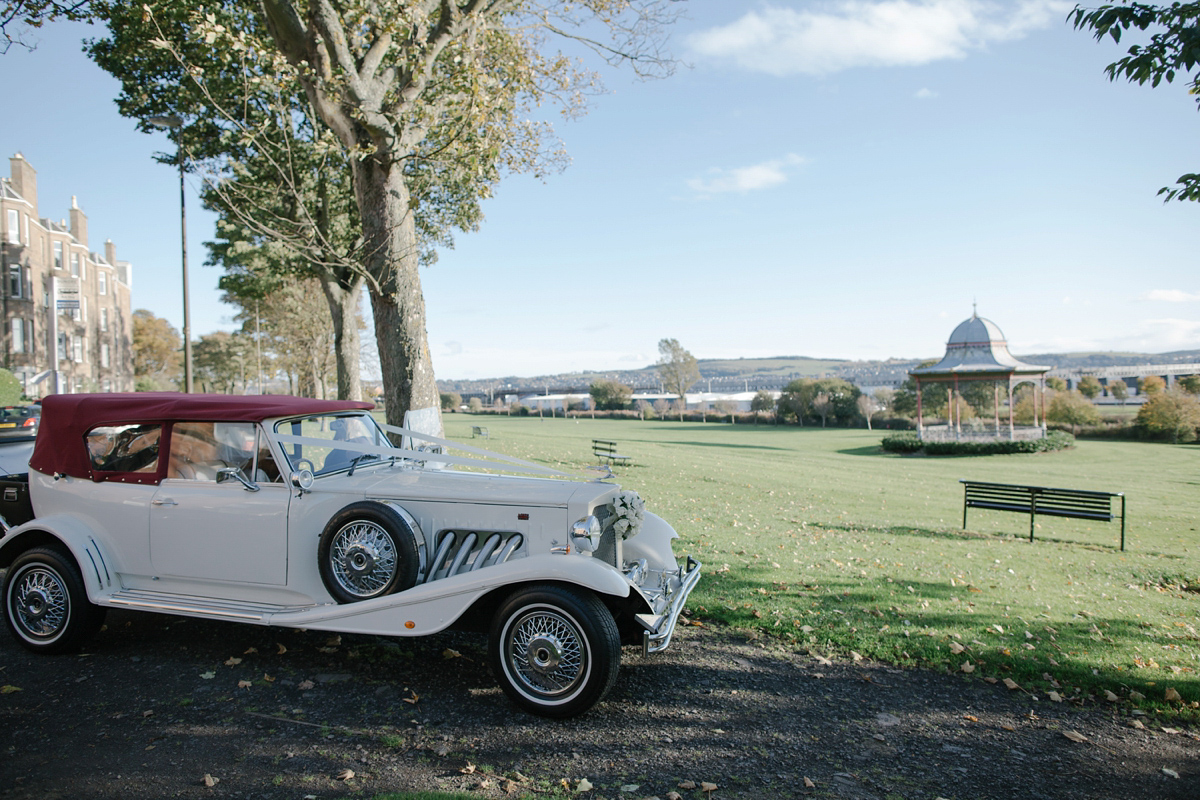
773 373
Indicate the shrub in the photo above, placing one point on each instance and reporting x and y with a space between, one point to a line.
909 443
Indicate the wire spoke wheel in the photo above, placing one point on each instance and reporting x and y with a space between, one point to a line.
545 652
46 605
554 650
368 550
40 603
363 557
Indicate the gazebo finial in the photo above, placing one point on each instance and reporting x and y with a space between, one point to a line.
974 309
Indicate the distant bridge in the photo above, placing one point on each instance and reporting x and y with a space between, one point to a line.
1130 374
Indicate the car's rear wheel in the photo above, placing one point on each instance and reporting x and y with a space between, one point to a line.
367 551
555 651
46 605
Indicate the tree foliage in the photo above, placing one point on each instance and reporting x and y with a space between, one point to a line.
1189 383
428 103
1171 413
1072 408
824 398
678 370
1173 50
157 363
222 361
1118 389
10 388
610 395
1151 384
1090 387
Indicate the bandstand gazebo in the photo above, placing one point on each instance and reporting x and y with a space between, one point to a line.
977 351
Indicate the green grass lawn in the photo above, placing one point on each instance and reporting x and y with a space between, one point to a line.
819 538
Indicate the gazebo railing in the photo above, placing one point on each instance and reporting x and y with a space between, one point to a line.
981 433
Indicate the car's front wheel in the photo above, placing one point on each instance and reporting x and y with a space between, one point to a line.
555 651
45 603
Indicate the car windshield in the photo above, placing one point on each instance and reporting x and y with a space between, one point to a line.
352 428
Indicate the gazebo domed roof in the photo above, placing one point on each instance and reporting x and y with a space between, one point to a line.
977 349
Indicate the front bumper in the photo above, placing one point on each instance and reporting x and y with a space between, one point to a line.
660 627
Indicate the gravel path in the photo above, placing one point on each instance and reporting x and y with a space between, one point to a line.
155 706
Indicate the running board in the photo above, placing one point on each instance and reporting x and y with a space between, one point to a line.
143 600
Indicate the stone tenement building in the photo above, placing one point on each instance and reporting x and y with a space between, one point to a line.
67 322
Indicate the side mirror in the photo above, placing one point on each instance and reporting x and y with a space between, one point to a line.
226 473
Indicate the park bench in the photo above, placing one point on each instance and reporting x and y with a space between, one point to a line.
1034 500
605 449
479 430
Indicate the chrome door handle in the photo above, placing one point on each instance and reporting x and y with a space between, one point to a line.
163 501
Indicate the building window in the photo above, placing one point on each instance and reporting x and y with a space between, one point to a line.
104 320
62 346
14 280
14 226
104 355
58 255
102 282
75 265
77 348
18 335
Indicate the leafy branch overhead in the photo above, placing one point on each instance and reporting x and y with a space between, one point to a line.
1173 50
359 134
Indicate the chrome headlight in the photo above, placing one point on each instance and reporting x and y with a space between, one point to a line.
585 534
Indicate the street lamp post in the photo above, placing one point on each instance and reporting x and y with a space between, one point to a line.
176 123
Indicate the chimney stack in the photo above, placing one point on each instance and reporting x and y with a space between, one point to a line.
24 180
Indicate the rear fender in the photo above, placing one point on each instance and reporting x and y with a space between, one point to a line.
65 533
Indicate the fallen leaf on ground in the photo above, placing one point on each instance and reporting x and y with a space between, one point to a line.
1171 731
305 685
333 641
346 775
822 660
1055 697
210 781
208 676
808 784
1008 727
999 629
1011 684
449 653
630 788
967 667
1170 773
9 689
412 700
855 656
687 784
584 785
1137 723
1137 696
232 661
674 796
468 769
244 684
268 678
990 679
956 648
1171 695
705 786
1110 697
971 717
281 649
1075 736
147 713
250 650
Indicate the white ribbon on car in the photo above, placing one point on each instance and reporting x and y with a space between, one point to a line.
488 460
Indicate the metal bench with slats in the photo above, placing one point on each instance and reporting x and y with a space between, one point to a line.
1034 500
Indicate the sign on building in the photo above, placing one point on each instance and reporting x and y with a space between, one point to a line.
68 294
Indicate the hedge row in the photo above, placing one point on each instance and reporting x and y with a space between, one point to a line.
908 442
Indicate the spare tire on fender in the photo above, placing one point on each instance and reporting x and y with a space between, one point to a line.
368 550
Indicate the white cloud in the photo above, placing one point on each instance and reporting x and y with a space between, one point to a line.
1172 334
747 179
1172 296
844 34
925 94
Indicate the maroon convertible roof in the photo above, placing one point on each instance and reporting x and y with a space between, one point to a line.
66 418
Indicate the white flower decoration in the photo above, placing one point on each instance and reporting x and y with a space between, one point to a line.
628 513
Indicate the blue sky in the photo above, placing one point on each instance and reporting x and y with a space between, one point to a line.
836 179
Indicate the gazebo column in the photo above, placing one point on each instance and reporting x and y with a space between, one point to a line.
1011 428
920 425
1043 405
955 412
996 406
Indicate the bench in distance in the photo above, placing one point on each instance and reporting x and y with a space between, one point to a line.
607 450
1034 500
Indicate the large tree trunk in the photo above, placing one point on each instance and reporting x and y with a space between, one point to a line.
391 256
343 307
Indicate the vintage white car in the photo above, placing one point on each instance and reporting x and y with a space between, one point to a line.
298 512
